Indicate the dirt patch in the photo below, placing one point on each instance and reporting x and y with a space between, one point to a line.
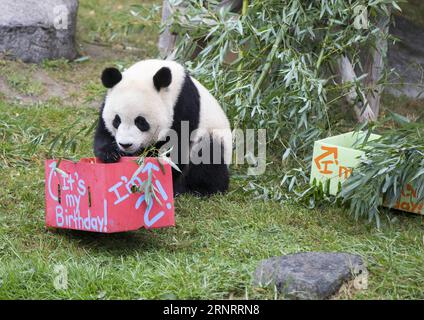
53 86
102 52
66 83
7 93
52 89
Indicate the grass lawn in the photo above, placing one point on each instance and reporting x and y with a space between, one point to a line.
217 242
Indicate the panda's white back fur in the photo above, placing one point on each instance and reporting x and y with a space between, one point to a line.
213 119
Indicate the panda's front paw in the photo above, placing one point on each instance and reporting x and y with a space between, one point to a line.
108 155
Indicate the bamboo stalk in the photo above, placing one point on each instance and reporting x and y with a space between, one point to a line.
268 63
244 8
243 13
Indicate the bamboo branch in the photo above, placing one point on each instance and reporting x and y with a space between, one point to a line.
268 64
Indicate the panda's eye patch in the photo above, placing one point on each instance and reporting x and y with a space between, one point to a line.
116 122
142 124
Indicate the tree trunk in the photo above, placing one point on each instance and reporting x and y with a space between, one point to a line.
374 66
367 105
359 102
167 39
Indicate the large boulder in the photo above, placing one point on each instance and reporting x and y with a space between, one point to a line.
34 30
406 56
310 275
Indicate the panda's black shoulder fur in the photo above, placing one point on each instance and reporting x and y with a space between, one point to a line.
187 107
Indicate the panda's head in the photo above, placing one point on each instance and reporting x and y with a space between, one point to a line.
138 109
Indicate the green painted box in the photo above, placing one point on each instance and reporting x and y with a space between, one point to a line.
334 159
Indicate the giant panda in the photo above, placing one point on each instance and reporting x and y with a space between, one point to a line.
149 99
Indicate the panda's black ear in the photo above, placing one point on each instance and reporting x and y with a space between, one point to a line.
110 77
162 78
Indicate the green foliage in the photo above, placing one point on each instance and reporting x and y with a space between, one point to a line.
389 164
125 23
283 50
28 134
24 85
67 141
281 74
281 77
148 188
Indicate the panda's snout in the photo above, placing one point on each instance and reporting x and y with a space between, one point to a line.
125 145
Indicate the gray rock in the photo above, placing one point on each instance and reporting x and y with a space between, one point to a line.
407 58
34 30
308 275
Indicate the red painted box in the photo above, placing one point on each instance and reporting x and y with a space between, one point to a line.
93 196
